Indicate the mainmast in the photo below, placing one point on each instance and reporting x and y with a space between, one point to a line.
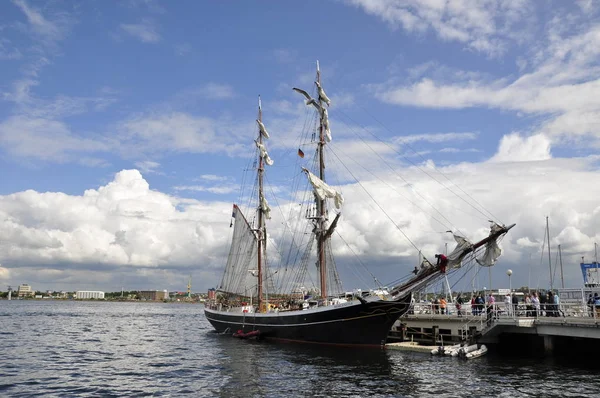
321 203
261 227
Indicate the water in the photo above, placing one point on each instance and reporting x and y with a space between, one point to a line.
103 349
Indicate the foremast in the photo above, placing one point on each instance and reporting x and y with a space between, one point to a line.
321 202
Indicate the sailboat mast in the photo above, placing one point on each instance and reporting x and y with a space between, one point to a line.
321 203
549 259
261 221
562 279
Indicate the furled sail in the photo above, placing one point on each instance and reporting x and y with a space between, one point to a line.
238 277
460 251
322 94
265 207
325 119
323 191
264 154
263 129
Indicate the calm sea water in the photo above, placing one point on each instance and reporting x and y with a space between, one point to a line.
101 349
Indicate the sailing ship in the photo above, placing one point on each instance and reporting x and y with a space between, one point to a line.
249 304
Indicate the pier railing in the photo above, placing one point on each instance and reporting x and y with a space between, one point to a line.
503 310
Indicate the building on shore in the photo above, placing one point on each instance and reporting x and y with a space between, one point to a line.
25 290
153 295
89 294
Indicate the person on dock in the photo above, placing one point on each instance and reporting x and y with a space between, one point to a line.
535 301
507 304
515 304
528 305
479 302
557 310
459 303
442 262
490 308
550 306
443 305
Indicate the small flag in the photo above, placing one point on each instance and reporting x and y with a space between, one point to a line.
233 212
300 153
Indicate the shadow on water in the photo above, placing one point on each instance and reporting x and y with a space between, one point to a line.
260 368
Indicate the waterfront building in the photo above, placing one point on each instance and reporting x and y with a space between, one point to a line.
25 290
153 295
89 294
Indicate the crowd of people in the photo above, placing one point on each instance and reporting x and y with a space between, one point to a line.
534 304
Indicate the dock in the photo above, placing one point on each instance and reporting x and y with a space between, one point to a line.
423 330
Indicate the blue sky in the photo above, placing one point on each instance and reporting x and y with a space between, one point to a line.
499 95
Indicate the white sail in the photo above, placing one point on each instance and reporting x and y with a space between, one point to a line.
455 258
492 250
264 154
324 191
263 129
243 256
491 254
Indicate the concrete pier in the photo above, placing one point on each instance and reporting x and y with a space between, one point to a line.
547 334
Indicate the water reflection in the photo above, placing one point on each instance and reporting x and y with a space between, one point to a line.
306 370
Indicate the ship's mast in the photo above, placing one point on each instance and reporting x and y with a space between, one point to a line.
549 259
321 203
261 221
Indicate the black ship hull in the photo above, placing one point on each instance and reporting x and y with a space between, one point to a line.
365 323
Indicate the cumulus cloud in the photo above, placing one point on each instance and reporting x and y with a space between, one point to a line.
126 228
122 224
515 148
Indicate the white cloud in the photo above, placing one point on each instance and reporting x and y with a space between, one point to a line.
212 177
561 87
44 28
483 25
515 148
123 223
126 225
147 166
44 139
435 138
222 189
175 131
146 31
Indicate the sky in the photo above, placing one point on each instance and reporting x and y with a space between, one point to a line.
125 128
